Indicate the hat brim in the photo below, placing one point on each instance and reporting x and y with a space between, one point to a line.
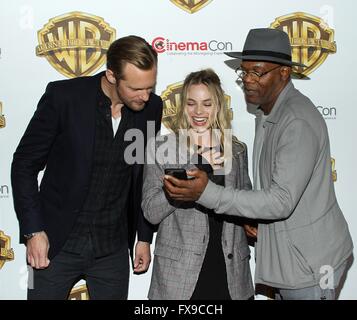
239 55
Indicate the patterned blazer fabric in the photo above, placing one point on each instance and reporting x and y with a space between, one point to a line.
183 236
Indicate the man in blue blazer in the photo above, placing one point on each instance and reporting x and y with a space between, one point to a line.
86 213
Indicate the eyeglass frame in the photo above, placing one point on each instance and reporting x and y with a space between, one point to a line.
242 73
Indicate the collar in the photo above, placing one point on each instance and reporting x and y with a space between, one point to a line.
103 100
275 113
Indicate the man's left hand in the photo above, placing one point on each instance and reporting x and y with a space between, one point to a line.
142 257
186 190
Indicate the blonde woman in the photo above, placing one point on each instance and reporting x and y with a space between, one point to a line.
198 255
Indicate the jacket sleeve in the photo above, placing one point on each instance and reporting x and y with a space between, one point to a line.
293 166
155 205
29 159
245 182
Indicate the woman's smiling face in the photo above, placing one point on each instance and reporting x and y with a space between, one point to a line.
200 107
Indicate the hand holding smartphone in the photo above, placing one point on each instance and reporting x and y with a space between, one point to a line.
178 173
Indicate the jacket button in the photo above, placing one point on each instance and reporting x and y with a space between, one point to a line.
230 256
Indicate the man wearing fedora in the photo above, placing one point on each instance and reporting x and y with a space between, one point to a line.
303 241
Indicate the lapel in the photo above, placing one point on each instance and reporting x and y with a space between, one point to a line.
85 125
230 179
266 156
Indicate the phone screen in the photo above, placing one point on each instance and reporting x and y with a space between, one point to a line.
178 173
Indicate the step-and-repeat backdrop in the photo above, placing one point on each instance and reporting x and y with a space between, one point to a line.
42 41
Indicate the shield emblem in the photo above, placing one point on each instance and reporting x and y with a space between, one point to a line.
6 253
75 43
191 6
334 172
172 100
79 293
2 118
311 39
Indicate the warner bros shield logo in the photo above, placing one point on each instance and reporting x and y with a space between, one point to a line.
191 6
79 293
75 43
311 39
172 100
6 253
2 118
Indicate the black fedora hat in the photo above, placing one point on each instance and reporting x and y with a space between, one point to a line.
266 44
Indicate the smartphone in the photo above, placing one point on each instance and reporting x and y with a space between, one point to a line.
178 173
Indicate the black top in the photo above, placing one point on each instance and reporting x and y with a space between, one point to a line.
212 281
104 213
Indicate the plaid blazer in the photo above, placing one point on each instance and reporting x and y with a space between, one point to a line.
183 233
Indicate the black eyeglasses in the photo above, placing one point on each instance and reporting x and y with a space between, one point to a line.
254 75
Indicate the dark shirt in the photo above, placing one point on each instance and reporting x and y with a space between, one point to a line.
104 214
212 282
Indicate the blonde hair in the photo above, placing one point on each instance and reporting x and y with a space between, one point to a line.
221 119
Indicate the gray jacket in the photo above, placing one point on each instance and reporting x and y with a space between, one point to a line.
183 234
305 228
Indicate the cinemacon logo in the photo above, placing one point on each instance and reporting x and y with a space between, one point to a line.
161 44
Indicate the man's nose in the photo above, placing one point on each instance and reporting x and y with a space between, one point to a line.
248 78
145 95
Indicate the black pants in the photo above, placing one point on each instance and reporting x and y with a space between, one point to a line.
107 277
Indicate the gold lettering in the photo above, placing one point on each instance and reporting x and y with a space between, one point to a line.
66 55
308 28
88 30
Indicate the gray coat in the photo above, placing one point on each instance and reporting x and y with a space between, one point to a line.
306 229
183 235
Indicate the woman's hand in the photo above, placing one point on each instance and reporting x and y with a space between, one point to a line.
213 157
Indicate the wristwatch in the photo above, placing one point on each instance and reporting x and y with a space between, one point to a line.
30 235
